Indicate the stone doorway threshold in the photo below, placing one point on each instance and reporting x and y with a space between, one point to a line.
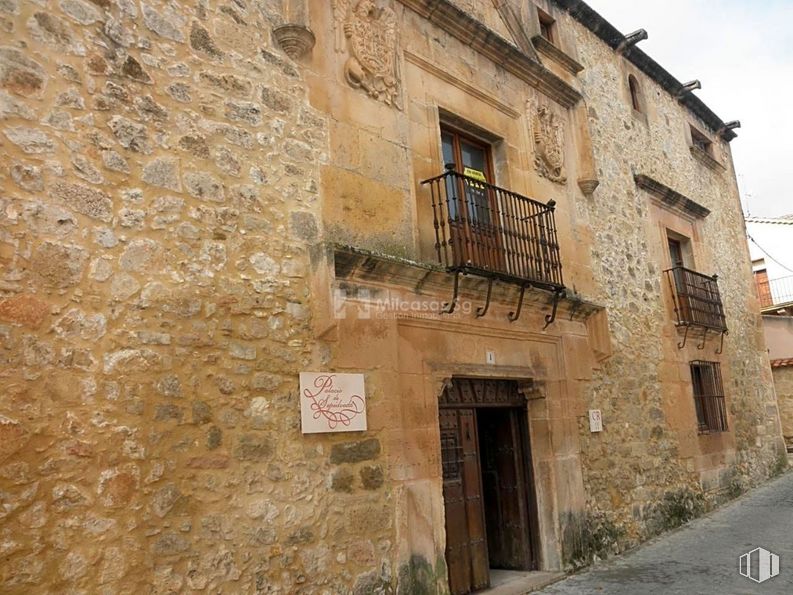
517 582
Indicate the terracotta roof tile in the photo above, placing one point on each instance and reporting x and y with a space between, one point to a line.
781 363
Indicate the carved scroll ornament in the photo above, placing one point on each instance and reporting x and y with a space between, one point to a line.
369 34
548 135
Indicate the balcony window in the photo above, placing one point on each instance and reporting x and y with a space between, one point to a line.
486 230
708 396
697 300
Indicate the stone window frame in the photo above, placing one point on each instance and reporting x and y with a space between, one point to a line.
702 147
686 247
550 40
631 73
636 94
547 27
498 150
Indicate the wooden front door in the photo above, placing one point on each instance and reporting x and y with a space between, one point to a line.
472 207
487 483
506 493
466 542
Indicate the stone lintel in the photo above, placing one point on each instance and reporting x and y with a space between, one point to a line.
549 50
468 30
706 158
671 198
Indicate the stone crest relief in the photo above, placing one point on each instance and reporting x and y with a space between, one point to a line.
547 131
368 33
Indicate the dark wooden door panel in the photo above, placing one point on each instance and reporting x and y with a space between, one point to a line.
509 544
487 482
472 483
466 545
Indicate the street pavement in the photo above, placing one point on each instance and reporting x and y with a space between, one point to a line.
702 557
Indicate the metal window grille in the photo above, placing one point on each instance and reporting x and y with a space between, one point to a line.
709 396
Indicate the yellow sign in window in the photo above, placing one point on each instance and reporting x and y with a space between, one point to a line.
475 174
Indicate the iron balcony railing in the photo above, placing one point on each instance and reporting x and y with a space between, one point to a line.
774 292
697 299
486 230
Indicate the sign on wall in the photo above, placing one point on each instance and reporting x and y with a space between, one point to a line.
332 402
595 420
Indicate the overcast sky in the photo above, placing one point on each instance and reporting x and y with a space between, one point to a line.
742 51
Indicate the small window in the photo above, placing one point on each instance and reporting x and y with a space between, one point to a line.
472 158
636 94
708 396
547 26
679 250
700 141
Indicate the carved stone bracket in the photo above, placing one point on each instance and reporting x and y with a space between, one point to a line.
368 32
295 40
531 390
548 134
588 185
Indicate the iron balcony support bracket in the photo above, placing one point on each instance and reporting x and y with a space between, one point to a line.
705 331
448 307
513 316
720 350
704 338
685 338
550 318
482 310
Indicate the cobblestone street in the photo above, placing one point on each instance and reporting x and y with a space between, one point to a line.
702 557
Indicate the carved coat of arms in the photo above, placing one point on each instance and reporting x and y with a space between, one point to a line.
369 33
548 135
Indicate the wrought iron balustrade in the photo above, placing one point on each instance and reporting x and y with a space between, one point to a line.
774 292
486 230
697 299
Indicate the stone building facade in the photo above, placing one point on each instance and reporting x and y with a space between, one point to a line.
201 200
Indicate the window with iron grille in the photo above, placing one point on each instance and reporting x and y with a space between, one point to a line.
709 396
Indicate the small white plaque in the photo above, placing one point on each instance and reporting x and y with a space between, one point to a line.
490 357
595 420
332 402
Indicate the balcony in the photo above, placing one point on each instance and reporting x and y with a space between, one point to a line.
697 300
481 229
776 293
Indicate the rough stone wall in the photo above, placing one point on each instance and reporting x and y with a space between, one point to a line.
636 472
158 194
783 383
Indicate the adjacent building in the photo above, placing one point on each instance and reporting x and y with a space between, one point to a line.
498 236
770 245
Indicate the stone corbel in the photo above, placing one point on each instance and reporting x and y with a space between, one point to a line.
295 37
588 186
531 390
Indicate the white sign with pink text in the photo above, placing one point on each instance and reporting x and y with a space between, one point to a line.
332 402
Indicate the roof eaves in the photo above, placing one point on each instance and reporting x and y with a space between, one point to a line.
592 20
